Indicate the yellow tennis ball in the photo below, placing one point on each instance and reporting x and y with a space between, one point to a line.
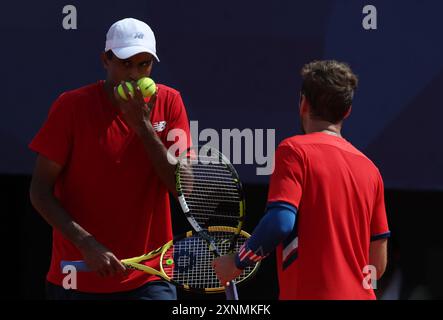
121 92
147 86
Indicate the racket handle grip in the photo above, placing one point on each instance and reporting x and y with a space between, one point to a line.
78 265
231 291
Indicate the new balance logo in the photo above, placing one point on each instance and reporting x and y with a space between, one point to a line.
139 35
159 126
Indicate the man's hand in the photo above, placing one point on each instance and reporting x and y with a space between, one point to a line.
226 269
100 259
135 110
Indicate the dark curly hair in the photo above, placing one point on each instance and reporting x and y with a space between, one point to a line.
329 88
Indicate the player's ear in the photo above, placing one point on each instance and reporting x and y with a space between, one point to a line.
348 113
304 105
105 60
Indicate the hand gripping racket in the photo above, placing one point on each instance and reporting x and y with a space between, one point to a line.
186 260
210 194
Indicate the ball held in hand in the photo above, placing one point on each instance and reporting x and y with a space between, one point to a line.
122 93
146 85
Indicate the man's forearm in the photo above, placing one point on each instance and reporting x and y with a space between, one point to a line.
273 228
51 210
162 161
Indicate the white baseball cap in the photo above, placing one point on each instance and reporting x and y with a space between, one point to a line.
129 37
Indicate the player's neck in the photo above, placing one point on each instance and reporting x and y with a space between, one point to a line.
323 126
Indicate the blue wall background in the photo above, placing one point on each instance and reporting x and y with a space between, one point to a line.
237 65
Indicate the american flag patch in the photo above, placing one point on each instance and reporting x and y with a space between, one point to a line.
246 253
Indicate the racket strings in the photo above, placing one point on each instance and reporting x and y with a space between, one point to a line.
211 191
193 260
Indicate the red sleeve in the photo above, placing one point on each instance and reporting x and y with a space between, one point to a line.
287 178
54 139
178 129
379 221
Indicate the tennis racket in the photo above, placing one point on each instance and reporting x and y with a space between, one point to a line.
186 260
210 194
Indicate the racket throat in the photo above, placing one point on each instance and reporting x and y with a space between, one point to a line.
210 241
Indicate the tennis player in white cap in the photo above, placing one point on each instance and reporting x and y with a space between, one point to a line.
103 173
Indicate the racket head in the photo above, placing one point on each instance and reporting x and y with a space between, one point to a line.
187 261
209 189
136 263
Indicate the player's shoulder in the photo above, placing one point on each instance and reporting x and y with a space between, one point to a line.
171 101
291 145
371 166
302 144
166 91
85 92
76 97
307 139
294 142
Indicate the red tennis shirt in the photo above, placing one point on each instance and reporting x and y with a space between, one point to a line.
340 199
108 184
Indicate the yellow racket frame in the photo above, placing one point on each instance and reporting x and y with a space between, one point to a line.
135 263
